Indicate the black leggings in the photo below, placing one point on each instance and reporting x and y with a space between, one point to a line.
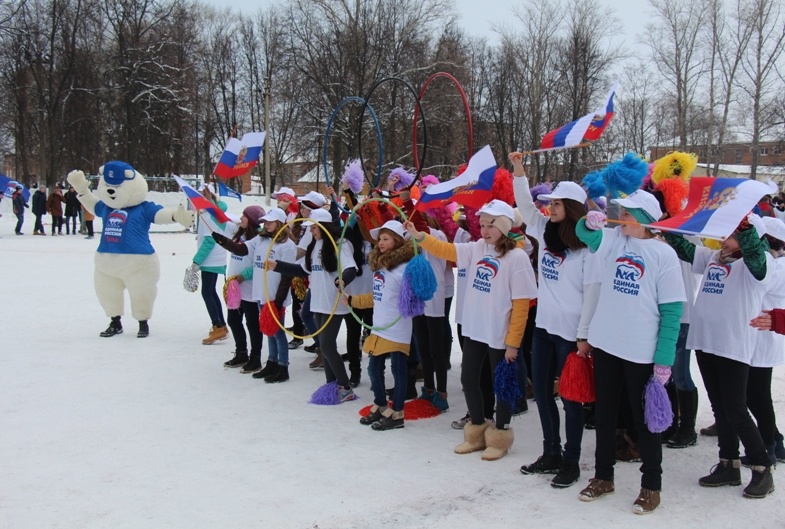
334 368
249 310
760 404
429 334
353 334
486 380
475 356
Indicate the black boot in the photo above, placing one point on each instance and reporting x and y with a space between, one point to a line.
354 378
282 375
115 327
411 387
761 484
686 436
239 359
253 365
668 434
144 330
270 368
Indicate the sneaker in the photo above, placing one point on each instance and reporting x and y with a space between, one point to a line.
346 394
646 502
440 401
313 348
270 368
216 334
144 330
710 431
597 489
282 375
761 484
295 343
568 474
389 422
460 423
723 473
683 439
239 359
317 362
252 366
89 237
545 464
372 417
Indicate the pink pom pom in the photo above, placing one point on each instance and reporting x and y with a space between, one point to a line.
429 180
233 296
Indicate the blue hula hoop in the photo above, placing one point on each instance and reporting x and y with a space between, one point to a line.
378 137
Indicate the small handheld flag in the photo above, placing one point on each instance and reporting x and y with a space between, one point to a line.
226 191
200 203
240 156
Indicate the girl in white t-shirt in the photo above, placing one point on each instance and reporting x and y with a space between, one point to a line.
633 334
500 284
562 321
390 338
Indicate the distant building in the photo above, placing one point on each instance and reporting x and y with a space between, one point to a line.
771 153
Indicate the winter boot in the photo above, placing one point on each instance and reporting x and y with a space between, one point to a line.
239 359
411 380
270 368
144 330
440 401
596 489
373 416
497 443
545 464
317 362
647 501
473 438
568 474
686 436
354 378
761 484
669 432
253 365
282 375
114 328
726 472
390 420
710 431
216 333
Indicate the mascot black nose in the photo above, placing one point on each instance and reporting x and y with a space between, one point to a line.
110 191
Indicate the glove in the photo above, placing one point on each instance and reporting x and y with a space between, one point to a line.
595 220
753 220
183 216
219 239
79 181
662 373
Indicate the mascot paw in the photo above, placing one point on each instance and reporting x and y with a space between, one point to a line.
183 216
79 181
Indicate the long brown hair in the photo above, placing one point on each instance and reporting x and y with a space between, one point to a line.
560 236
504 245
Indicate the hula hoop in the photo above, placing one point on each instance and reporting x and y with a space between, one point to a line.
421 114
466 109
378 138
267 292
340 244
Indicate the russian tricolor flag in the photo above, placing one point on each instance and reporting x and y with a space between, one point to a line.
200 203
716 206
588 128
240 156
472 188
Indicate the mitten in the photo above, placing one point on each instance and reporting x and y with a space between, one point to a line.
183 216
79 181
595 220
662 373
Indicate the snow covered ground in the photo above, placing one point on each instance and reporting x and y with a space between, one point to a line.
155 433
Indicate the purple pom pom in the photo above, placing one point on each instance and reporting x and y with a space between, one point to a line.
327 395
657 412
353 176
540 189
405 178
409 305
505 383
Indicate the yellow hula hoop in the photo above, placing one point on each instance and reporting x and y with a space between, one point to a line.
267 293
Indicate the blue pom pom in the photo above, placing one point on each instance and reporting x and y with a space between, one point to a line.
421 276
408 304
505 383
626 176
594 183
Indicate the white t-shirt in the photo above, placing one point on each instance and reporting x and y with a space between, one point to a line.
362 284
282 251
386 289
770 346
638 276
561 281
238 263
322 283
461 236
305 240
434 307
729 296
449 282
492 282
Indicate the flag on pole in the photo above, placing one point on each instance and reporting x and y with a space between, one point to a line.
716 206
8 186
226 191
240 156
200 203
472 188
588 128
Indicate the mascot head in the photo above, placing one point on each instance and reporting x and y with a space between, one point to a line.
121 186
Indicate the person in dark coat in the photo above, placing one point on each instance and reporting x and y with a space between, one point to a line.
18 201
54 206
72 207
39 210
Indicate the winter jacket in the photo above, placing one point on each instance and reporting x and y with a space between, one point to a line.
87 215
54 204
39 202
72 204
18 201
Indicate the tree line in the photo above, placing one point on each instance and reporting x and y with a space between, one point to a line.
162 84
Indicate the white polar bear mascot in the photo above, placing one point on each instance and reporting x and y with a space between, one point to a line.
125 258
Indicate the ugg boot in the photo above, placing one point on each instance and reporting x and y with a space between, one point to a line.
497 443
473 438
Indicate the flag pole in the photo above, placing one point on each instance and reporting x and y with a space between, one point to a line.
668 229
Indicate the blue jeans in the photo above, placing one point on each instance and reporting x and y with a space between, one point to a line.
307 316
549 352
20 219
399 371
278 348
681 365
211 299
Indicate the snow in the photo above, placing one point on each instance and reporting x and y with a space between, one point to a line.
128 433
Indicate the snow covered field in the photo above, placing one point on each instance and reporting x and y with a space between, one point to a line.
155 433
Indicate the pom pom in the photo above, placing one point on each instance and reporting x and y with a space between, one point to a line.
540 189
675 192
429 180
326 395
405 178
674 165
232 294
267 323
353 176
409 305
473 222
625 176
421 277
299 288
502 186
412 409
505 383
576 382
657 411
594 184
445 219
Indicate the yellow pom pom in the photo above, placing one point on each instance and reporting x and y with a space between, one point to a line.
675 164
